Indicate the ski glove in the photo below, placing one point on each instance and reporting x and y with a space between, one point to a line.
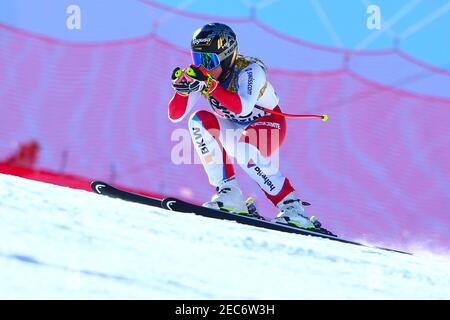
207 83
182 84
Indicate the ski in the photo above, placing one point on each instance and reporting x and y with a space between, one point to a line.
103 188
177 205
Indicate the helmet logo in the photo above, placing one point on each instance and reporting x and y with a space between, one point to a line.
202 42
220 41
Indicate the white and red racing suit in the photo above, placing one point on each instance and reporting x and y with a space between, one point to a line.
237 129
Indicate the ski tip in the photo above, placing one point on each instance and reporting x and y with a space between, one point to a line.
167 203
97 186
325 118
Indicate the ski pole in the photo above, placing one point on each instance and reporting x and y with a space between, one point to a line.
295 116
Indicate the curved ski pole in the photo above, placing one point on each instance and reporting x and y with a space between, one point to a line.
295 116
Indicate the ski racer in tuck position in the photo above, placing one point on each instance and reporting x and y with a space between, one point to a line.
235 86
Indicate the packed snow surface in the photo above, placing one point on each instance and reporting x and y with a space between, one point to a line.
60 243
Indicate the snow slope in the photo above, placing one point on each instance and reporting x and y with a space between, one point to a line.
60 243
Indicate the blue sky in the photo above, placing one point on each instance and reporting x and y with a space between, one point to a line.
421 26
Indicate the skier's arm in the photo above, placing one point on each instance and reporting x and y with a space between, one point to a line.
251 80
186 95
180 105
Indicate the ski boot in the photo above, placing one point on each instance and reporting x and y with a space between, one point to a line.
228 198
292 213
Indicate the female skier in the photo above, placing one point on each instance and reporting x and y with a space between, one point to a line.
236 88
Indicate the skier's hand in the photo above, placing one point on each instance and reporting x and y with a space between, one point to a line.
207 82
183 84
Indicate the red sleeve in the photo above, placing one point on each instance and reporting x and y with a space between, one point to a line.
177 106
229 100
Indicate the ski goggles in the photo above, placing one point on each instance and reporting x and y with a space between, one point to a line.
208 60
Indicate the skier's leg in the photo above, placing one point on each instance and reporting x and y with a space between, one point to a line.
206 135
256 153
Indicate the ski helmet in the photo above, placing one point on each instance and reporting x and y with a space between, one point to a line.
214 44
